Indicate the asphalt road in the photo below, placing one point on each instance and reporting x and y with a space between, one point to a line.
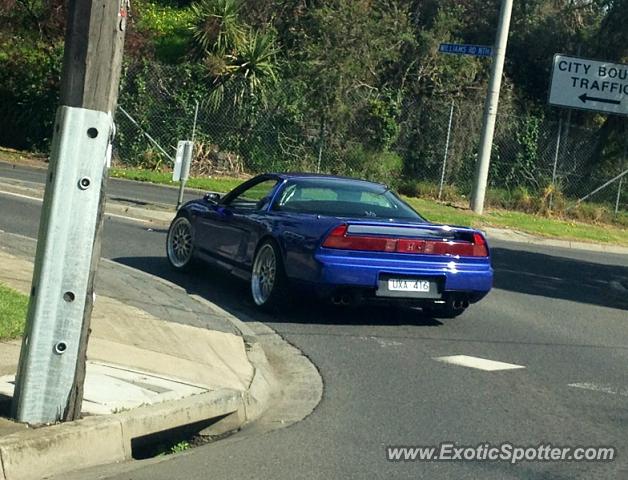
560 314
117 189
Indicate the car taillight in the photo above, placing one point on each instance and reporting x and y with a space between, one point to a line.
339 238
479 246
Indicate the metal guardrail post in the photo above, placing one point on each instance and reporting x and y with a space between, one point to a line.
62 265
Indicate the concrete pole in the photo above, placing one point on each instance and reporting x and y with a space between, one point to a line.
51 371
490 109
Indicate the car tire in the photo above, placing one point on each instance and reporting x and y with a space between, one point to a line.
444 310
268 278
180 244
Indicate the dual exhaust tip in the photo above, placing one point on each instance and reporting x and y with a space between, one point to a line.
460 303
343 299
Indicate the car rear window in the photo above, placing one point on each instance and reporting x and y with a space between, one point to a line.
342 198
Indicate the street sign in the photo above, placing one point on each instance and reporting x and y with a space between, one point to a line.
589 85
475 50
182 161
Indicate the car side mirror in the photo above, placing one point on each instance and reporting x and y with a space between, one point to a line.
212 197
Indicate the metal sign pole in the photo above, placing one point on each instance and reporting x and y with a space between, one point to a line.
184 169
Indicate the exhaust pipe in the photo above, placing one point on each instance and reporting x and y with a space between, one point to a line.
460 304
343 299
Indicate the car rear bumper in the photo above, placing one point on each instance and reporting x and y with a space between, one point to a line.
357 269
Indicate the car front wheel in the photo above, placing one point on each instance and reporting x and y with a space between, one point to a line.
180 244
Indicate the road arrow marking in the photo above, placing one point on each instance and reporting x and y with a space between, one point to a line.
584 97
479 363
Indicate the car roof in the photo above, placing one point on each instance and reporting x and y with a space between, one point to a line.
322 176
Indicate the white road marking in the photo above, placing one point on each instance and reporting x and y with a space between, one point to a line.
386 343
132 219
19 195
479 363
382 342
600 388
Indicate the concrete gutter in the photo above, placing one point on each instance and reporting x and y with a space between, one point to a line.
37 453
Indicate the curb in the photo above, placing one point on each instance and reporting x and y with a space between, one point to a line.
42 452
35 453
514 236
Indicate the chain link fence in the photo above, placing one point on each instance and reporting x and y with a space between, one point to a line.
433 150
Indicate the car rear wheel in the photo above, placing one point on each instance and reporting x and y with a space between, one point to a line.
267 277
180 244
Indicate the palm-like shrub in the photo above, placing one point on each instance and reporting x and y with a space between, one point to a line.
216 27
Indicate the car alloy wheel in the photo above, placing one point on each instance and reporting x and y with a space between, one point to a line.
180 244
264 276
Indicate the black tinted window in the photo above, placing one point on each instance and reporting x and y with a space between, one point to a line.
342 198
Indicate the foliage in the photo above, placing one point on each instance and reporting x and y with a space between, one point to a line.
357 85
378 166
217 27
167 26
29 83
180 447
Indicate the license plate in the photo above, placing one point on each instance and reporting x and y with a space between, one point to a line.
405 285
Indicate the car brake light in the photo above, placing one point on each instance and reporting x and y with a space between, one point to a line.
339 238
479 246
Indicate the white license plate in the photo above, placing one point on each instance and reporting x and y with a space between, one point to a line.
405 285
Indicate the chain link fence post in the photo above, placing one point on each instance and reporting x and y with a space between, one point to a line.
442 175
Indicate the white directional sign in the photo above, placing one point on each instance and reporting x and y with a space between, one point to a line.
589 85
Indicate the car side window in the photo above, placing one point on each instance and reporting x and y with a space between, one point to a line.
255 197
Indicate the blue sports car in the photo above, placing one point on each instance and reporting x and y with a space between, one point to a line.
347 240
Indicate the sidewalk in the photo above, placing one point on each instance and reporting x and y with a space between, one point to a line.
157 359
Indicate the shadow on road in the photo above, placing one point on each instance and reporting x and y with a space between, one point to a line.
561 278
515 270
232 295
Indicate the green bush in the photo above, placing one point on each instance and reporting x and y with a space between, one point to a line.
29 85
378 166
169 25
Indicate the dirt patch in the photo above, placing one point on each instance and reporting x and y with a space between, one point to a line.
35 160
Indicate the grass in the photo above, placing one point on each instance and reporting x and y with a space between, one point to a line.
213 184
523 222
434 211
12 313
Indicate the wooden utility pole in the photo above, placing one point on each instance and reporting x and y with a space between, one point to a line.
51 372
